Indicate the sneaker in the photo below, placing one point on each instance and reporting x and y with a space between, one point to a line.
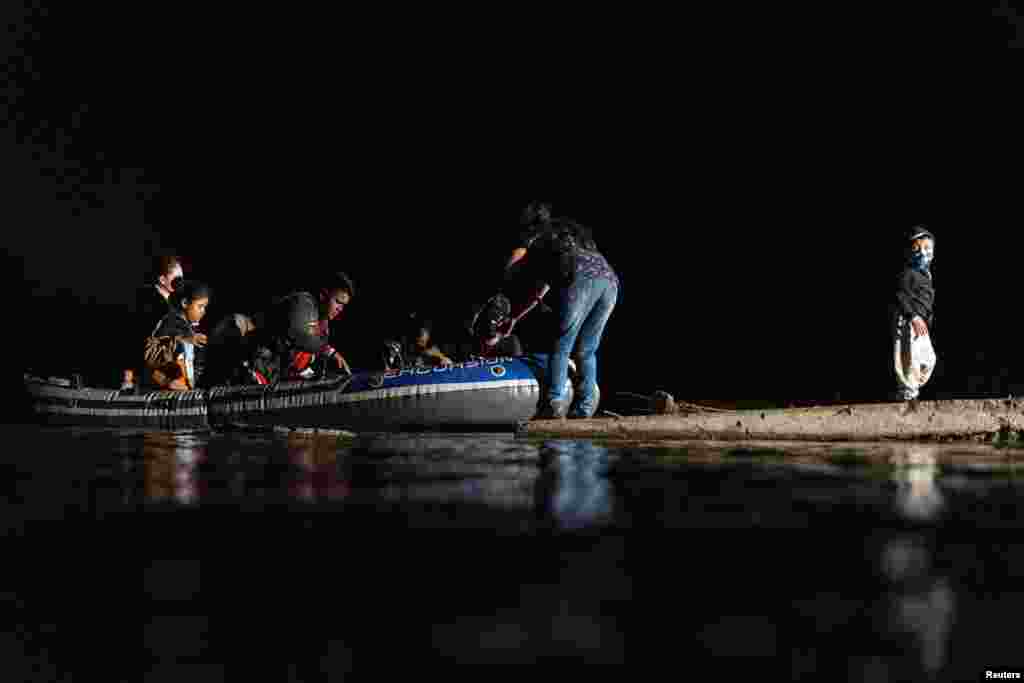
583 410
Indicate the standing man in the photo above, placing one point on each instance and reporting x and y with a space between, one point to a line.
912 318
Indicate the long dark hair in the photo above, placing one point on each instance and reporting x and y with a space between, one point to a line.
535 213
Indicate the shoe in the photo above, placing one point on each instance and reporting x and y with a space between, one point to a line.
554 410
584 410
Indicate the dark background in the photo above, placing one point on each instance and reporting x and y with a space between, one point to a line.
749 176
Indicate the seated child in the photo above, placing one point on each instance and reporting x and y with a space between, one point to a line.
488 341
415 349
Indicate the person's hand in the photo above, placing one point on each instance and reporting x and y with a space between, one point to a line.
445 361
920 328
199 339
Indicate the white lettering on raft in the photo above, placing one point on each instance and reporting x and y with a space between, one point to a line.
468 365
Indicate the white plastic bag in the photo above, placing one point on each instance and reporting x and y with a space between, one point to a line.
915 358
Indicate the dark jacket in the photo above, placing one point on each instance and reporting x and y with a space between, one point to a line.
915 295
292 323
231 344
173 324
150 308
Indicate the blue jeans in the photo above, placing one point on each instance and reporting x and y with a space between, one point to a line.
583 310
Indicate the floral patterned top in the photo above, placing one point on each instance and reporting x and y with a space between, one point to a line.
592 265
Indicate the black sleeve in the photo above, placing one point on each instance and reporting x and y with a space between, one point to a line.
303 316
905 304
225 333
150 308
172 325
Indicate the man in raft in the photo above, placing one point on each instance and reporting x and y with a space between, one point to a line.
914 355
295 330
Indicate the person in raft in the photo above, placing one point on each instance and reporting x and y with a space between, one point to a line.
419 348
561 256
230 351
484 330
151 305
170 349
295 330
912 318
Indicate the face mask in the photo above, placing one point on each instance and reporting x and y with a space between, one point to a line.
922 255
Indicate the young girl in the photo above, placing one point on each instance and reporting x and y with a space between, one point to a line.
913 352
170 349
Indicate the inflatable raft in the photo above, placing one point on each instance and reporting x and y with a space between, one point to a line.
498 392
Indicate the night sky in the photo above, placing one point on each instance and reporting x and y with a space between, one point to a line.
754 211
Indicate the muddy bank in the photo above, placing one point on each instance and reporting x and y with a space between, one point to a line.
985 419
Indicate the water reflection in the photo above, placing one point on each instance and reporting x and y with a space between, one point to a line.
574 486
315 475
170 463
920 602
915 470
496 471
781 563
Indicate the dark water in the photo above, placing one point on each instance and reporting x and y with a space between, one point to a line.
202 557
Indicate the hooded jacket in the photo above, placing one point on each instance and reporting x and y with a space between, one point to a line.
292 323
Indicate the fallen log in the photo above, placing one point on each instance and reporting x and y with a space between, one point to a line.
947 420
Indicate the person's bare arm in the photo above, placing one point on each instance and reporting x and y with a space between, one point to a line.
435 352
517 255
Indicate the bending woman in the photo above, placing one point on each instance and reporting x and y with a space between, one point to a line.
561 255
170 350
